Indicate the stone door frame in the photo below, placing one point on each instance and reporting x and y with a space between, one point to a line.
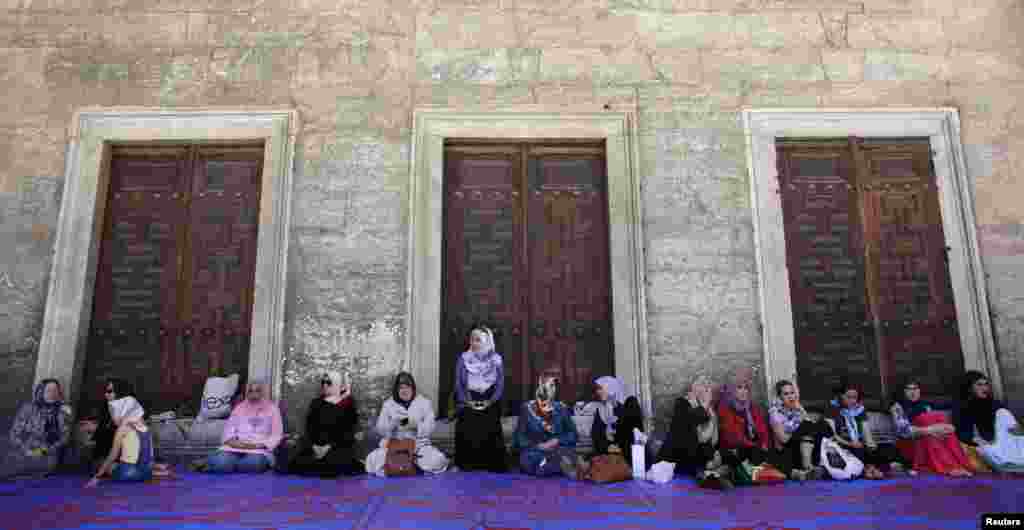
956 204
628 266
66 320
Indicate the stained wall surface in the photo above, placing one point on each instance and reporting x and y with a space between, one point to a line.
355 69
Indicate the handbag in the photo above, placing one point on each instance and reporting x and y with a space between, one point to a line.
609 468
400 459
840 463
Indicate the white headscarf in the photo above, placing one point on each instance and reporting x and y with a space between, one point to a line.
482 366
126 409
616 396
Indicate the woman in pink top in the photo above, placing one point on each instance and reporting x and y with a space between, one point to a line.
252 433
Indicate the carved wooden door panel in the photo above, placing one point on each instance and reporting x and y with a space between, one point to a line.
483 260
824 255
174 280
869 281
526 253
570 293
909 291
222 228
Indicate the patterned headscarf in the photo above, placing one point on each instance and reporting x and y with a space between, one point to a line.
743 408
616 396
50 411
482 366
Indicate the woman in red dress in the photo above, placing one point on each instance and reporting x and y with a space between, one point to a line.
927 435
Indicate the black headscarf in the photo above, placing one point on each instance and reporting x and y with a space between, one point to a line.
49 411
982 412
403 378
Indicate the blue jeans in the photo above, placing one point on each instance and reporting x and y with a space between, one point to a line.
131 472
232 462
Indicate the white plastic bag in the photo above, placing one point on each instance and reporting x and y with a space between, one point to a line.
639 454
662 472
842 465
217 394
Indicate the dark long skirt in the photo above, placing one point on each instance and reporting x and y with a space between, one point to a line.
479 444
789 456
736 456
338 461
881 457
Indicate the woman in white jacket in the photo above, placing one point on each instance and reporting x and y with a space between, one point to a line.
407 415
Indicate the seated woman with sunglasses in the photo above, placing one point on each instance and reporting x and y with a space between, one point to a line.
330 432
252 433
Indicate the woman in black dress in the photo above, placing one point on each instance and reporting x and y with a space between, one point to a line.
692 442
330 432
479 385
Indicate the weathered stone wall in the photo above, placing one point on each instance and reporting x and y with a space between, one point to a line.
356 68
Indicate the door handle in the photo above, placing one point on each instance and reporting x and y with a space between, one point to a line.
538 329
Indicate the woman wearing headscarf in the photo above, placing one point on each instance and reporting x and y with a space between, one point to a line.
617 415
743 433
40 433
987 428
692 442
932 441
330 431
546 433
131 457
853 431
479 385
250 435
798 436
406 415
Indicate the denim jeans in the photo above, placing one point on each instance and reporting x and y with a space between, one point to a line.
131 472
232 462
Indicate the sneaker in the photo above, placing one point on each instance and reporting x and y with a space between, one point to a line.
799 475
568 465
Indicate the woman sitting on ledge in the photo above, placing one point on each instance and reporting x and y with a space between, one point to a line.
926 434
251 434
987 428
407 415
797 436
853 431
692 442
617 415
743 429
330 432
40 433
546 434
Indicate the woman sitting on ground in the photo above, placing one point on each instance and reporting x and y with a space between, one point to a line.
797 436
985 426
103 437
251 434
853 431
742 426
479 386
330 431
692 442
546 434
406 415
40 434
131 456
933 444
617 415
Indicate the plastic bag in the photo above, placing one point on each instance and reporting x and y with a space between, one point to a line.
840 463
639 454
662 472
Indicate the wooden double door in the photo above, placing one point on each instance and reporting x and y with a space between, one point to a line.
525 252
174 282
868 270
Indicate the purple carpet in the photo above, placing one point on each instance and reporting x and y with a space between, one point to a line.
482 501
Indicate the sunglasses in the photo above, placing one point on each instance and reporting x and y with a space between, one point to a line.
327 382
